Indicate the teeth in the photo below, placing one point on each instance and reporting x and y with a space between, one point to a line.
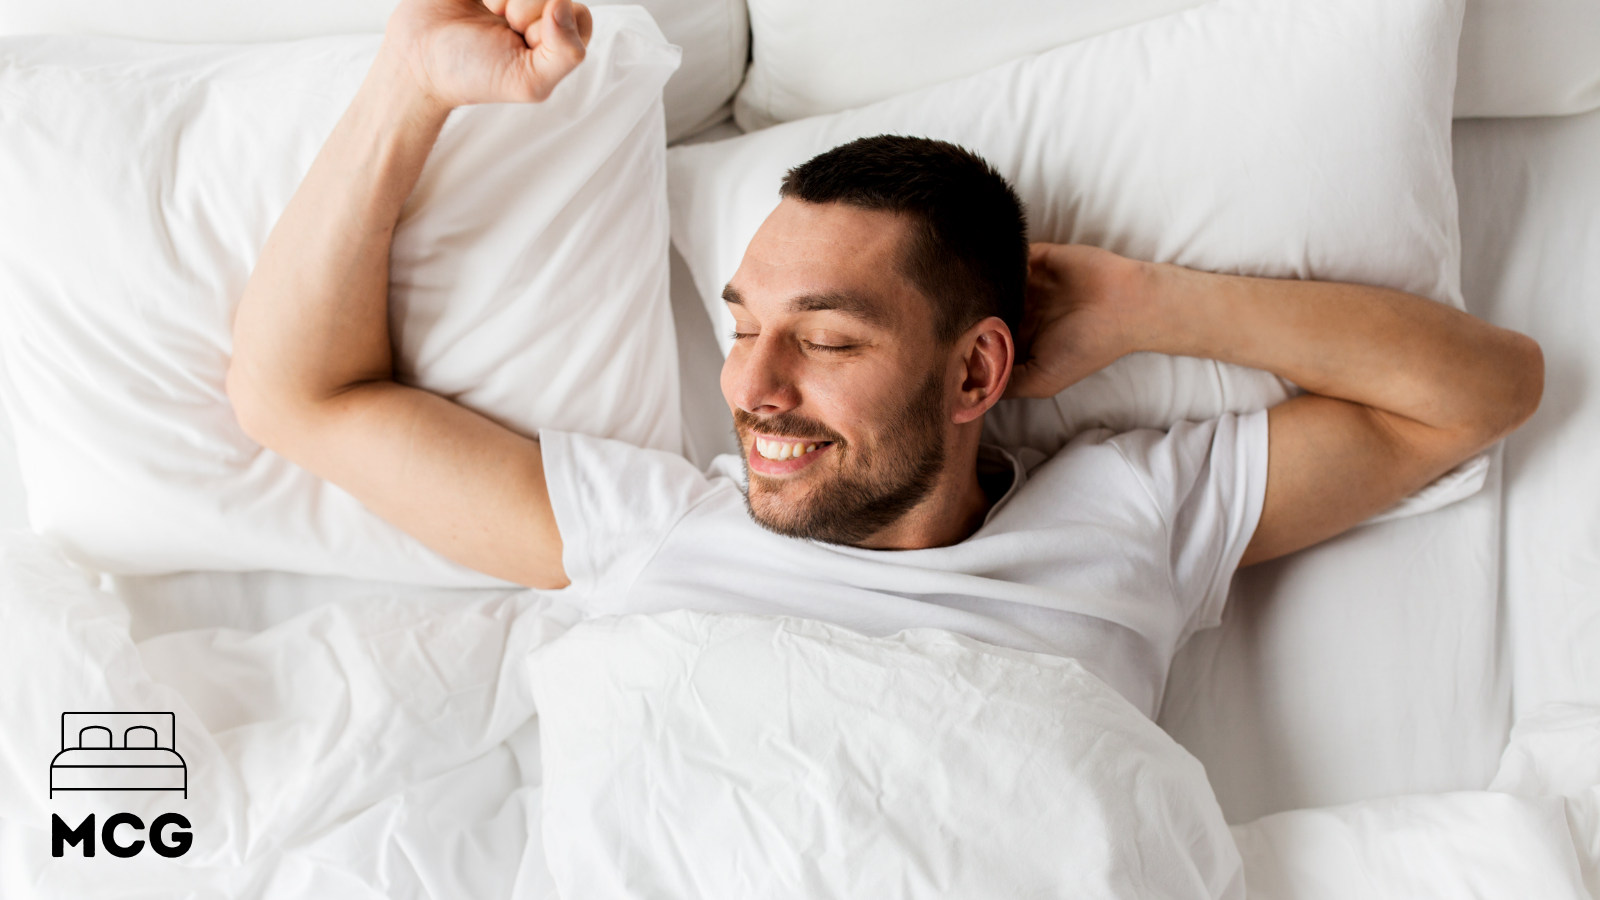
782 450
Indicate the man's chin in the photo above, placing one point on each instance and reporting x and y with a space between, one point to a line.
779 515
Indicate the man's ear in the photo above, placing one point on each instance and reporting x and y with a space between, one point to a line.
986 356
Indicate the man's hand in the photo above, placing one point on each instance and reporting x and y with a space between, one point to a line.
460 52
1083 308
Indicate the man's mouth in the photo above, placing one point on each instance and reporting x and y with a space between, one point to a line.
783 456
781 449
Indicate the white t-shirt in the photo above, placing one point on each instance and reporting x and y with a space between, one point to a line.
1112 551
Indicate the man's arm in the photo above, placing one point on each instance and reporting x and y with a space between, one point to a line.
312 371
1400 388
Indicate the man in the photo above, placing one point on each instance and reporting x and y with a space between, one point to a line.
876 310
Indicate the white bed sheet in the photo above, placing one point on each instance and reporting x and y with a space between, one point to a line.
13 499
1530 207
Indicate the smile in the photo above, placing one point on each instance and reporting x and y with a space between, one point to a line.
780 450
781 456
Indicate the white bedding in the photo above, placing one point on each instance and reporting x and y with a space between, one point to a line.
1530 207
1379 672
387 745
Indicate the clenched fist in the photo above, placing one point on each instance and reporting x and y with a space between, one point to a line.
460 52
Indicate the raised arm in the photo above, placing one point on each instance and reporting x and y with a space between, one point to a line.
312 370
1400 388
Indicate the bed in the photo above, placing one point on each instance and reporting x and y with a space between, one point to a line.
107 751
1411 709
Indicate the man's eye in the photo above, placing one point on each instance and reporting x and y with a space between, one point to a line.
828 348
739 335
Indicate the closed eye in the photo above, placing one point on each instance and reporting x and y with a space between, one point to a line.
828 348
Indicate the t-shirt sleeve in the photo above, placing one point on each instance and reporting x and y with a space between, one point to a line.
614 504
1208 479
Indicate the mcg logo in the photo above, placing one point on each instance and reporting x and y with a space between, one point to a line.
108 751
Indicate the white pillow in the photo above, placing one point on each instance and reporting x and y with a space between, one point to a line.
697 755
529 281
1287 138
1529 58
714 34
805 64
1518 57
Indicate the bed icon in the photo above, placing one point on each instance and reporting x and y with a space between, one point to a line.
109 751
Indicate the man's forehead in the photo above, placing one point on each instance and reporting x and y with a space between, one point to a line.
826 256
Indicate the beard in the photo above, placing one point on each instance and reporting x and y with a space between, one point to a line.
862 490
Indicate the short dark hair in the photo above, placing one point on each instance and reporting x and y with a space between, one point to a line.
968 250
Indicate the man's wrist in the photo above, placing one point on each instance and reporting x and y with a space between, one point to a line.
1146 319
403 89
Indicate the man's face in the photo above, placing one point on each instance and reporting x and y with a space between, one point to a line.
836 381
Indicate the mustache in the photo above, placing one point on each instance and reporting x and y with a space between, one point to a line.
784 425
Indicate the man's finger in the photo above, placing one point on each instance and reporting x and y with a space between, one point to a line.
557 51
521 14
585 22
1021 384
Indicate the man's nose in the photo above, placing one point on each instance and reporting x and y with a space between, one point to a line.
763 380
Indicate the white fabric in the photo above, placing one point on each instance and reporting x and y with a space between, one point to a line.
380 746
13 499
1518 57
714 34
1467 844
138 190
689 755
1113 551
808 62
1528 835
1370 665
1529 58
1330 159
1530 192
1405 628
377 743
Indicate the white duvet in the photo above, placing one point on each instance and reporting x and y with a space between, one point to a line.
387 744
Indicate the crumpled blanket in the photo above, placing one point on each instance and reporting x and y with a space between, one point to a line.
390 745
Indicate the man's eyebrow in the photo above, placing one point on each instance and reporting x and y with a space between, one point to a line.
853 305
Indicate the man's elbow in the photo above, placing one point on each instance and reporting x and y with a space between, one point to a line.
1521 376
261 416
1525 376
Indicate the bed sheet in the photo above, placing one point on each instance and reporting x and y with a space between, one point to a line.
13 499
1367 666
1530 208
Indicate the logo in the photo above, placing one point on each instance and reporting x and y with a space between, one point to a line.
110 751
